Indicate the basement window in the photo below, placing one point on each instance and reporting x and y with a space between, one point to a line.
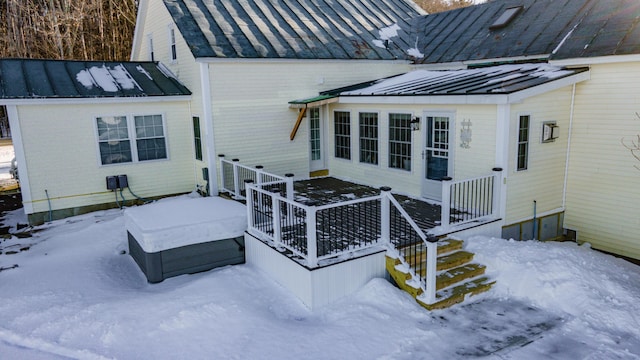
507 16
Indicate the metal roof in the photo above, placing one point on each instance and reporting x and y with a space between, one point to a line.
554 29
494 80
297 29
59 79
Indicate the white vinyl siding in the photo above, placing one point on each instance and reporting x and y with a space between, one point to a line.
543 181
83 184
603 192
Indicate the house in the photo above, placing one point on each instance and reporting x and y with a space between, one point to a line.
245 60
546 90
509 116
80 126
236 62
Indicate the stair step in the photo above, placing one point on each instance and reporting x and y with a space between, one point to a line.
449 261
457 294
445 246
459 274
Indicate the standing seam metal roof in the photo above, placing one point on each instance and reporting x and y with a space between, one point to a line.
295 29
495 80
554 29
35 79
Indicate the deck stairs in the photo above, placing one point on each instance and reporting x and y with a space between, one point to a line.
458 277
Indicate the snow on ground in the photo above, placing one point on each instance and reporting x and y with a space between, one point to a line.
77 294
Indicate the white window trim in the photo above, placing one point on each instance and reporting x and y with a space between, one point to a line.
517 141
351 135
173 44
388 141
378 164
131 132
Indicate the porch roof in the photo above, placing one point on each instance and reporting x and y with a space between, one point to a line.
313 101
494 80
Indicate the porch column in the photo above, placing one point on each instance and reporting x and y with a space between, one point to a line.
207 112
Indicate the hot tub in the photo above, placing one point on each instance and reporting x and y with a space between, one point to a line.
186 235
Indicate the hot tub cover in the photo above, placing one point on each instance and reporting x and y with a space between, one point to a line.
183 221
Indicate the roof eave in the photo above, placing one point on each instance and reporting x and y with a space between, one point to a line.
469 99
95 100
585 61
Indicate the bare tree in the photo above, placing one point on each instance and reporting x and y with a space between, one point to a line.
67 29
633 145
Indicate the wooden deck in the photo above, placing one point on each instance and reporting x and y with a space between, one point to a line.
329 190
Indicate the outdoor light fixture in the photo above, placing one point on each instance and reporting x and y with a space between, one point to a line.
415 123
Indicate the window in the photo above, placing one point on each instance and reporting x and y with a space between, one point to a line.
115 134
400 141
369 138
523 143
314 138
150 137
172 44
507 16
342 122
440 137
152 56
197 138
113 140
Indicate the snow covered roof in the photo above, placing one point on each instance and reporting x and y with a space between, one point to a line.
494 80
297 29
553 29
60 79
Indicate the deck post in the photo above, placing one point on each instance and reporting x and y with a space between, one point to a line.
385 214
430 278
277 229
289 179
236 180
445 208
312 245
250 218
221 160
497 190
259 174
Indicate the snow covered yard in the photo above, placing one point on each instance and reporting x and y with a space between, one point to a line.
77 294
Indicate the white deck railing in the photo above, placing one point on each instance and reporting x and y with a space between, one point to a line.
470 200
317 233
235 175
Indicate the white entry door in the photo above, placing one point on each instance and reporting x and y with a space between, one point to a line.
437 159
316 140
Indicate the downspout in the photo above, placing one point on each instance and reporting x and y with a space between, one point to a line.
566 165
18 148
207 113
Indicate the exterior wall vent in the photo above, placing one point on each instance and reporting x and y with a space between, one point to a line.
507 16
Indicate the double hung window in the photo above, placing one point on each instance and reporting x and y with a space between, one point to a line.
125 139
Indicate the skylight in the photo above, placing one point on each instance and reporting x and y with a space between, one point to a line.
506 17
